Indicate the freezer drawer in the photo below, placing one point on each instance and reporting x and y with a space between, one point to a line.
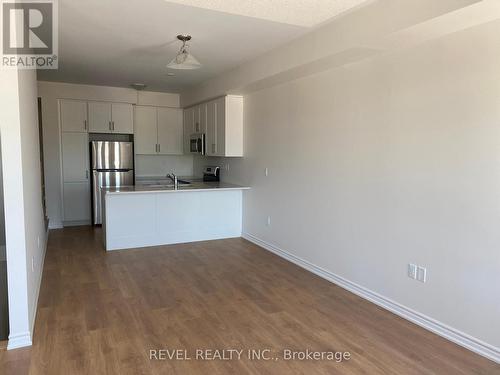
104 179
112 155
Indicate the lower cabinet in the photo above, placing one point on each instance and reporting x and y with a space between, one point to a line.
76 197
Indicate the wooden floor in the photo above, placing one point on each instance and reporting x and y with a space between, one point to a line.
101 313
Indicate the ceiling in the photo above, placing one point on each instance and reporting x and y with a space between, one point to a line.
116 42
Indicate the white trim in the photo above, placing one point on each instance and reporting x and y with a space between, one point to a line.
441 329
39 283
19 340
55 224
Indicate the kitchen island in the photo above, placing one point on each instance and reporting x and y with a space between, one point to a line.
141 215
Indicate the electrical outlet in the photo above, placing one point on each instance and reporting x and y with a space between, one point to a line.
422 274
412 271
268 220
266 172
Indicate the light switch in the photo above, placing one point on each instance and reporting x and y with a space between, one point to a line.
412 271
422 274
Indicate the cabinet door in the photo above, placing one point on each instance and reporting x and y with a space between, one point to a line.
196 119
188 127
99 117
146 136
73 115
220 126
170 133
203 118
76 197
122 118
211 139
75 158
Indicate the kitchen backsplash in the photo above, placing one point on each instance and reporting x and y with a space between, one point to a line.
160 165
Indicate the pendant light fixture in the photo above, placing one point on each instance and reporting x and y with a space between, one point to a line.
184 60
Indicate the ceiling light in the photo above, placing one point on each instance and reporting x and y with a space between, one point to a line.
138 86
184 60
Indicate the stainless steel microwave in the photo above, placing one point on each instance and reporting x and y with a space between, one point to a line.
197 143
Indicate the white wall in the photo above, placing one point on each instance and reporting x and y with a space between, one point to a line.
50 92
384 162
25 232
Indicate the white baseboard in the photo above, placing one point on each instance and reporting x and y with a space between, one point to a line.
39 282
19 340
55 224
441 329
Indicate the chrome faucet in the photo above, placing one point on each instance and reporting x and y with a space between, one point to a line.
173 177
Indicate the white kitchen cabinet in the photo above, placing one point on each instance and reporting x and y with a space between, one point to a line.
106 117
75 161
188 127
222 121
100 117
73 114
146 130
122 118
76 197
211 134
170 131
158 130
76 183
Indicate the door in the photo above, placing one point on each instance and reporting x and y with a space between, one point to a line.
73 115
170 133
75 157
211 137
104 179
145 135
188 128
100 117
122 118
76 202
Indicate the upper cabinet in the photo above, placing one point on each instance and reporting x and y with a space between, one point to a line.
106 117
73 115
170 134
158 131
100 117
222 122
122 118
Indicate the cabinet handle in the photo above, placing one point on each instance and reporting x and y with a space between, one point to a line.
159 147
113 125
85 124
87 174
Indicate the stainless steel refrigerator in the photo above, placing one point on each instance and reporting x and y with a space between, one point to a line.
112 166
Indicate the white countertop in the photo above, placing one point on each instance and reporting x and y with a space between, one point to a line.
194 186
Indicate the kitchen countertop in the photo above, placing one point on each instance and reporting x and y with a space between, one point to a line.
169 188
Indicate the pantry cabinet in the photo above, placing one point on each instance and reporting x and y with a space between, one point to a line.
158 130
221 120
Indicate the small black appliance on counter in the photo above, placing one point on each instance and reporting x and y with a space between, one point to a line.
211 174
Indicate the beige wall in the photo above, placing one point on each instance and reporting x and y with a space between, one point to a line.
384 162
50 92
